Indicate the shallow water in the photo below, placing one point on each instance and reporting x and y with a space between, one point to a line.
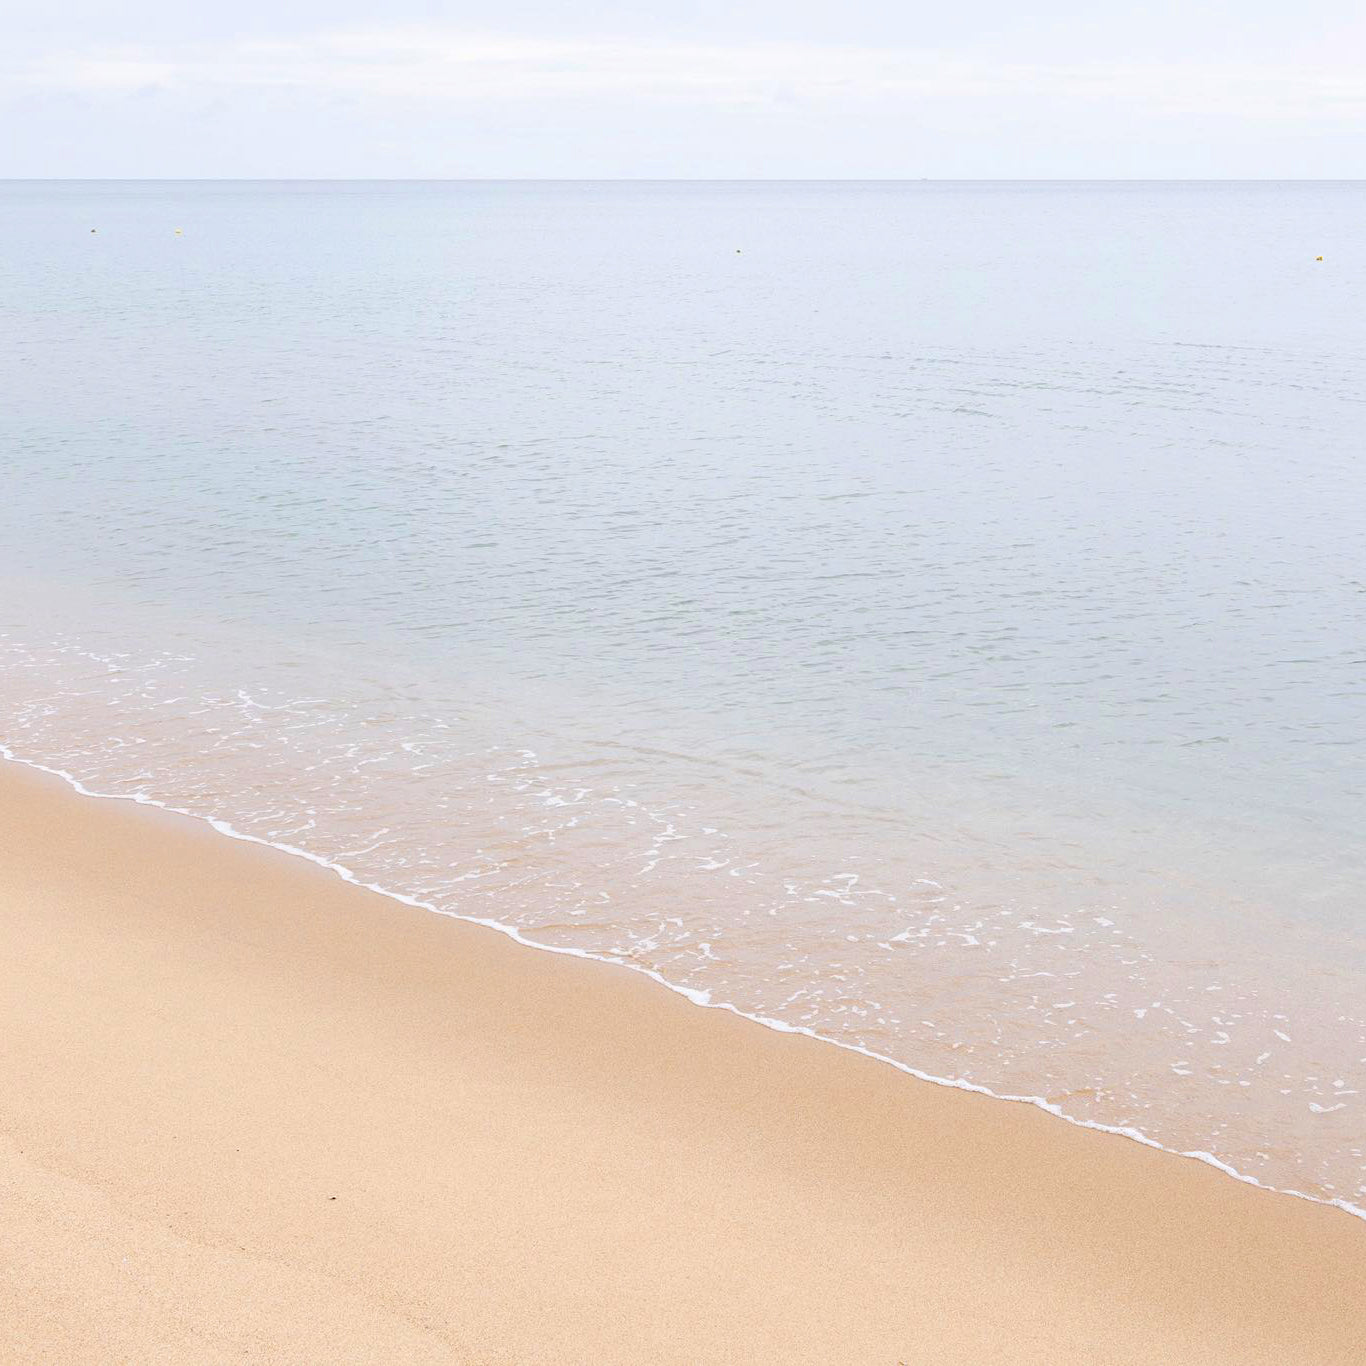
931 615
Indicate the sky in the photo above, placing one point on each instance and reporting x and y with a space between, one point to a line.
714 88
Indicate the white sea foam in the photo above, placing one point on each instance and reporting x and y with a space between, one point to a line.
695 996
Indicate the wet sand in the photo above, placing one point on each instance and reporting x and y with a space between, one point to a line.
248 1112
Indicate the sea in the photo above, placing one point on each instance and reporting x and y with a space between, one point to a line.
927 615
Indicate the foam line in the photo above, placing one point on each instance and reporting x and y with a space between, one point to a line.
698 998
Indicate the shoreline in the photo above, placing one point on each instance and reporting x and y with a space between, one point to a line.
320 1121
693 996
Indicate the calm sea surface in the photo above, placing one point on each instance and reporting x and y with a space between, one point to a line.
932 615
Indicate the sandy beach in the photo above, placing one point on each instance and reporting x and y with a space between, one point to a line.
249 1112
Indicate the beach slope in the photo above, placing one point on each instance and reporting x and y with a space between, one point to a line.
249 1112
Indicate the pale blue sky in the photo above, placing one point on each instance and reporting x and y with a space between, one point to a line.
864 88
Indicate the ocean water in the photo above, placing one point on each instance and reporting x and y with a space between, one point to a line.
929 615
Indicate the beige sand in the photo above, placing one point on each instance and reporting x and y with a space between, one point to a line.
249 1113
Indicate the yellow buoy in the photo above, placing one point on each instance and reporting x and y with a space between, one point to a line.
178 232
1318 258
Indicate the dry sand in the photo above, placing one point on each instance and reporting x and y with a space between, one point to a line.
250 1113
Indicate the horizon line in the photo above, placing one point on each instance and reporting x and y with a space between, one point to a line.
688 180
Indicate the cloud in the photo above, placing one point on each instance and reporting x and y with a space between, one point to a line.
449 66
432 100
